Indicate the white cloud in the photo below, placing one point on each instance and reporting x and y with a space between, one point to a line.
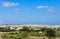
17 12
42 6
9 4
16 9
51 9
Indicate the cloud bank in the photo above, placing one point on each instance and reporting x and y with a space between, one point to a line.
42 6
9 4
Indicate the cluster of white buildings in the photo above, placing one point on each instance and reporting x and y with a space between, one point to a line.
33 26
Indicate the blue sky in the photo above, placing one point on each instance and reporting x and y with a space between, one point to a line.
29 11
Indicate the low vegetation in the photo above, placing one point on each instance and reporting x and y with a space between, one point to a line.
28 33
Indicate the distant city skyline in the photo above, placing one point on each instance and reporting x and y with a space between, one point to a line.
30 12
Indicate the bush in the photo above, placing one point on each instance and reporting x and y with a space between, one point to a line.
58 33
19 35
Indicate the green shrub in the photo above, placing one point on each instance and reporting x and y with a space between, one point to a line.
58 33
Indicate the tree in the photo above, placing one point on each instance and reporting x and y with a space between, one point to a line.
26 29
50 33
43 29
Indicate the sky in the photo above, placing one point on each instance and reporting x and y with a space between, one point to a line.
29 11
